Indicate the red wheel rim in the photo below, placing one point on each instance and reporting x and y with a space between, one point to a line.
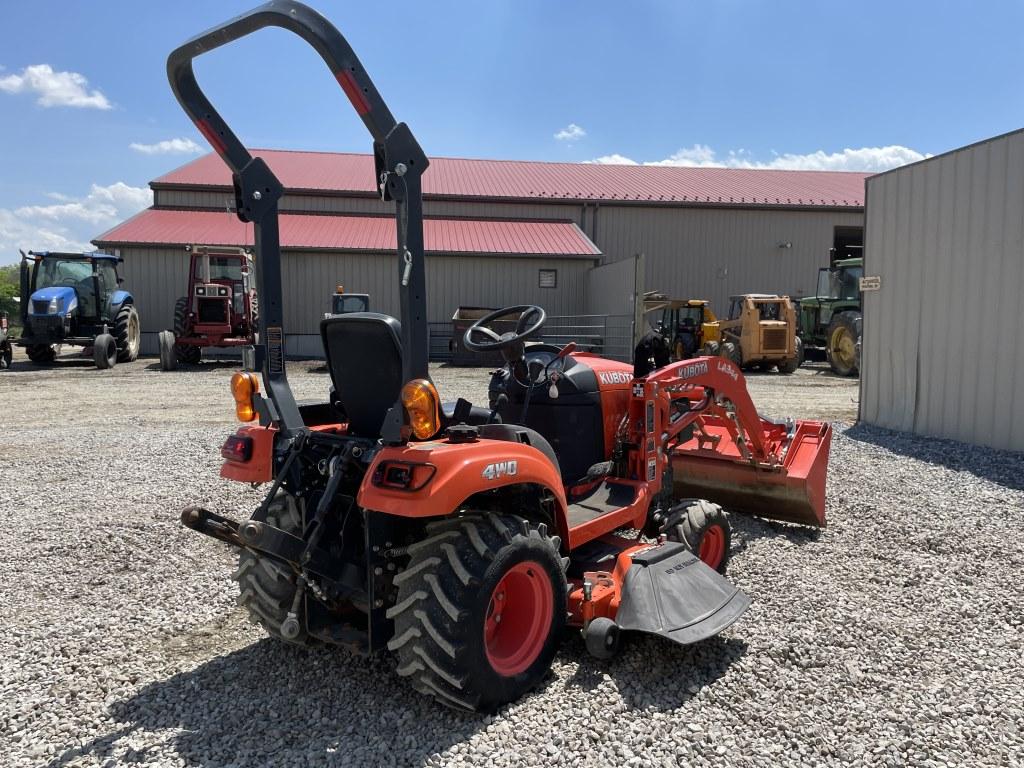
712 546
518 618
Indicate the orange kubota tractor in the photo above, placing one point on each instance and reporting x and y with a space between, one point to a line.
460 538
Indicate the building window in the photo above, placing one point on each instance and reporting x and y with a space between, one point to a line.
549 278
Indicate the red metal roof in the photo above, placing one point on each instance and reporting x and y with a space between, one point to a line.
359 233
514 179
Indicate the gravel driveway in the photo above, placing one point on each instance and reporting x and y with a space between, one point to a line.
894 637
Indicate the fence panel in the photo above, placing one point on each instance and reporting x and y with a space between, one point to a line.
607 335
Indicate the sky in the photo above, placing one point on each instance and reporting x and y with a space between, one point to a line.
87 118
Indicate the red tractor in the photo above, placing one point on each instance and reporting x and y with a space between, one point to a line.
463 538
219 310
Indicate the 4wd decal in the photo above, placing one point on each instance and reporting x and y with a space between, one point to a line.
500 469
614 377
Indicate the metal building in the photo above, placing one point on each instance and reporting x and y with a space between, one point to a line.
504 232
943 347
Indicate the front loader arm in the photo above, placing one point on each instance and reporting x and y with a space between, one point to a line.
732 456
400 163
720 380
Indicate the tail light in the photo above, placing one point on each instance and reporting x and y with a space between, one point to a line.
237 448
3 322
402 475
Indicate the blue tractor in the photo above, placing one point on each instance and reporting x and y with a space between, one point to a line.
76 299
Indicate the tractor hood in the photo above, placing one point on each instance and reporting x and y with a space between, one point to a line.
42 300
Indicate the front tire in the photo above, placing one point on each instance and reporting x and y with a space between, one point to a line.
266 588
6 356
790 366
731 351
104 351
480 610
127 334
704 529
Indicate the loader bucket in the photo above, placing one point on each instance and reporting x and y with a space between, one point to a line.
792 491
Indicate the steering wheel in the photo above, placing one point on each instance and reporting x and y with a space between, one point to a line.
488 340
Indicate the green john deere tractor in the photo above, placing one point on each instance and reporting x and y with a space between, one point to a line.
832 318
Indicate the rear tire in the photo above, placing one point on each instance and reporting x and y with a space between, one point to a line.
104 351
180 316
6 356
188 353
127 335
843 343
267 588
41 354
704 529
460 582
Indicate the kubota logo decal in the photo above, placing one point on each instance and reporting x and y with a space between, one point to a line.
614 377
694 369
500 469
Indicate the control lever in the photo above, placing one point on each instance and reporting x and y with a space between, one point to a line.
555 376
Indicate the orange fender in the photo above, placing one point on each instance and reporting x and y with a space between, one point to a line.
442 475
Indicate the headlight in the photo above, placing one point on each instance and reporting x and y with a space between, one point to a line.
243 387
54 306
422 405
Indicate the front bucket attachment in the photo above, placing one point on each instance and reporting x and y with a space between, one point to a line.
668 591
792 490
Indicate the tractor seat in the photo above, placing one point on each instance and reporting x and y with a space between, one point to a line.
364 356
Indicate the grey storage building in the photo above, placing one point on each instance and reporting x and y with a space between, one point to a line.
943 344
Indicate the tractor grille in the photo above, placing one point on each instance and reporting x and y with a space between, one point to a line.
773 339
213 311
47 326
40 307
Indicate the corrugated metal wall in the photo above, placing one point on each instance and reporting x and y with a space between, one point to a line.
943 346
158 276
713 253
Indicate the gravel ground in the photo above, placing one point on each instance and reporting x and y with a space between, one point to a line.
891 638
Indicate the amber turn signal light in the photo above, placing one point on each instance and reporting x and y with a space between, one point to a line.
243 386
422 405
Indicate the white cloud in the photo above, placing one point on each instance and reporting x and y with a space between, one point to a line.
571 132
168 147
615 159
54 89
865 159
70 223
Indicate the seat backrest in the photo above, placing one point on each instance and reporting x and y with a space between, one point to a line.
364 356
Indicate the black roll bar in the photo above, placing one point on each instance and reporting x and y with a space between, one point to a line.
399 162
